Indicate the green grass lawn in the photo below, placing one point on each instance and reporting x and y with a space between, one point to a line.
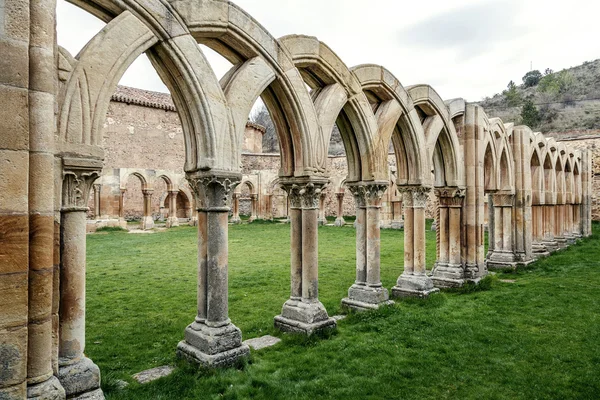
536 338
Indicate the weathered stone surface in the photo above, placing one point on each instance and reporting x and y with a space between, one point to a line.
79 378
153 374
48 390
262 342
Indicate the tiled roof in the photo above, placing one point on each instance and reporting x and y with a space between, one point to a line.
146 98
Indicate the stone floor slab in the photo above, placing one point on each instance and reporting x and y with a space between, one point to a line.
153 374
262 342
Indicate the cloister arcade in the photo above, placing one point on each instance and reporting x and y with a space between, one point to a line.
539 190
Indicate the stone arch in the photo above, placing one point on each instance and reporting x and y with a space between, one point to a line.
338 97
200 102
398 121
490 163
261 67
505 179
142 175
440 134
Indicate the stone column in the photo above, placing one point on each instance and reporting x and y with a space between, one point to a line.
269 207
449 271
97 189
568 211
322 219
147 220
503 255
414 281
303 312
577 220
339 221
122 221
212 340
587 181
173 221
367 291
397 220
549 228
78 374
254 206
539 249
235 219
559 226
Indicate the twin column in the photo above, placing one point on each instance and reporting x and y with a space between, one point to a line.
212 340
414 280
303 312
367 291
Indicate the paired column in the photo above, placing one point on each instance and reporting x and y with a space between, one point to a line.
397 220
235 219
339 221
502 255
367 291
97 190
559 226
322 219
122 221
212 340
414 281
549 240
449 271
303 312
77 374
147 220
173 220
537 214
254 208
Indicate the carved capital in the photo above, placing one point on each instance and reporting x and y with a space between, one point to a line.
213 192
368 194
305 195
450 197
340 195
78 177
414 196
147 192
503 199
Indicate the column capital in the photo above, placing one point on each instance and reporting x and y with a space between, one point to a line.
304 193
414 196
368 194
147 192
340 195
78 178
213 191
451 196
503 199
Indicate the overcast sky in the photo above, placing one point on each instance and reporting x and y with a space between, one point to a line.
463 48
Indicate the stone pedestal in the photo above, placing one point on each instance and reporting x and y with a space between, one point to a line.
414 281
254 207
303 313
367 292
212 340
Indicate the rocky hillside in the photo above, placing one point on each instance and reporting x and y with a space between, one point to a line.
563 101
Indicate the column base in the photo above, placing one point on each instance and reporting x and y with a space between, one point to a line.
235 221
539 250
50 389
550 245
147 223
193 221
212 347
339 221
322 222
501 260
252 219
307 318
448 276
172 222
414 286
364 297
561 243
81 378
570 239
94 395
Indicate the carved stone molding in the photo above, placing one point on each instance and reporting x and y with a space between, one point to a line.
368 194
213 191
78 177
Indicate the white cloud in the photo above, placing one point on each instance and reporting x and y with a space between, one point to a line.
464 48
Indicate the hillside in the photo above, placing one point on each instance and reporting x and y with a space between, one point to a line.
567 100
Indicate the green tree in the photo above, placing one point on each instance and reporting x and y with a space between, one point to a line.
530 115
513 97
555 83
532 78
